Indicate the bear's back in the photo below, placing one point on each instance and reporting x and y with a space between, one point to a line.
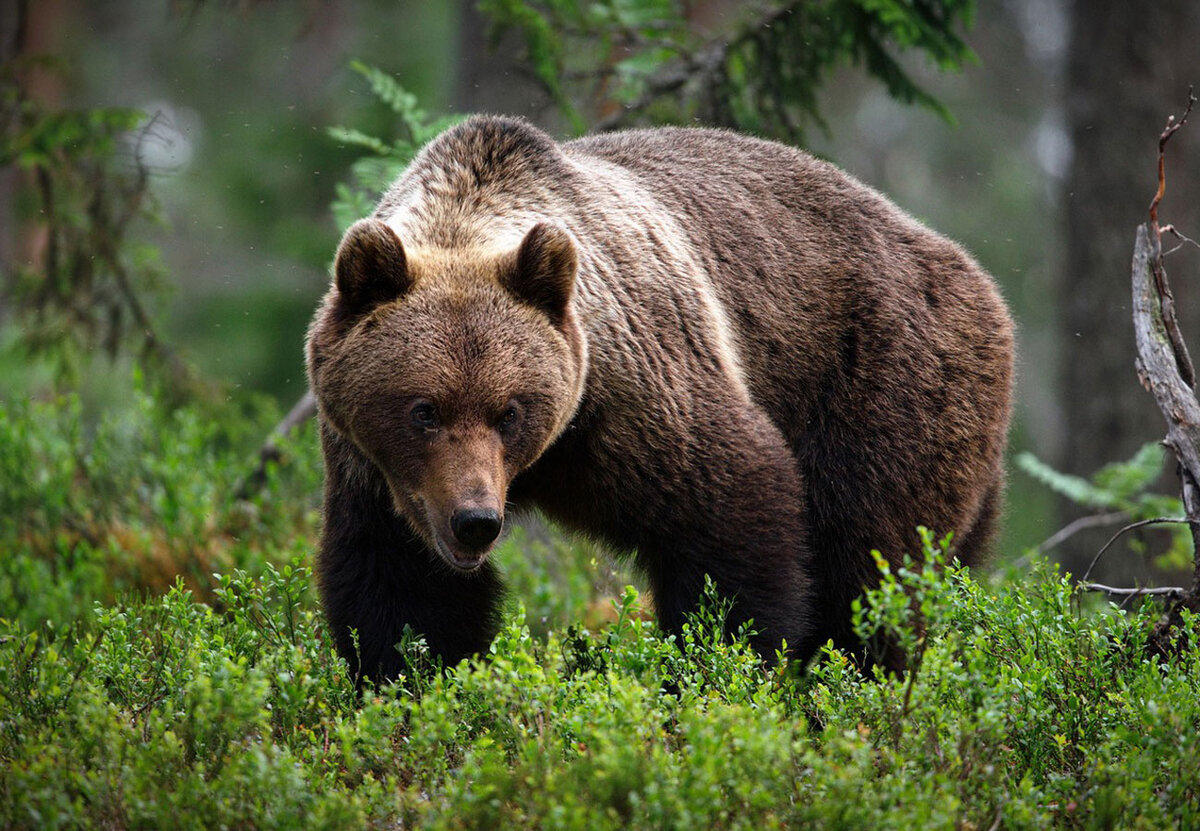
881 349
817 272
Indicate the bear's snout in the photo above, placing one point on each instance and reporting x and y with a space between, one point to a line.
475 528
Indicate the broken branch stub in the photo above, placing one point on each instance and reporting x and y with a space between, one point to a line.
1162 369
1157 362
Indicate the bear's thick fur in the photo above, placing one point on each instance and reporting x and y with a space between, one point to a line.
714 351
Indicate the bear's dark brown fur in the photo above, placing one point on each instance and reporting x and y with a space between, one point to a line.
717 352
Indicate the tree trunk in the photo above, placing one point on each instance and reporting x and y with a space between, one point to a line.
494 79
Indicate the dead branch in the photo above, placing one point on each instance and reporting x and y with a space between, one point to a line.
1173 125
301 411
1166 299
1173 231
1082 524
1160 367
1133 526
1165 369
1168 591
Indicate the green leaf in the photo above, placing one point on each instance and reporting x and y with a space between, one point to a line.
1135 475
389 91
357 138
1121 486
1075 488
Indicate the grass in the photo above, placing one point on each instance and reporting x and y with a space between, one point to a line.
163 664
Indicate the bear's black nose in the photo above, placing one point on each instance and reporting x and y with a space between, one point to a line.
475 527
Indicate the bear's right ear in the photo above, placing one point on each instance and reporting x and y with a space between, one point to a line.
543 274
370 268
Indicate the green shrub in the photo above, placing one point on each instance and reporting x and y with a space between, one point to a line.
128 501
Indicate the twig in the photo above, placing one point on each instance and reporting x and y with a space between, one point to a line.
1173 231
664 82
1160 520
1081 524
918 659
1173 125
995 826
1172 591
1166 299
301 411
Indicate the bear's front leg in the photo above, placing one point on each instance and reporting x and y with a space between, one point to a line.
376 576
732 507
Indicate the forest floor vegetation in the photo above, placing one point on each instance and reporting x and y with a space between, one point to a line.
163 663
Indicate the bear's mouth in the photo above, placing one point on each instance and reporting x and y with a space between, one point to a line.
459 559
438 533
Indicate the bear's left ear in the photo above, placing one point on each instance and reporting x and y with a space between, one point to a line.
371 268
544 273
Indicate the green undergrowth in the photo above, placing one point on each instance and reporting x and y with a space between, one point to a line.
127 502
219 702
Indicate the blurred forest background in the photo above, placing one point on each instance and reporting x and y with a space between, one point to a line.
1043 168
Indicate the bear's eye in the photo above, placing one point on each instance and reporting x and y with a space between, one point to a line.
510 419
424 415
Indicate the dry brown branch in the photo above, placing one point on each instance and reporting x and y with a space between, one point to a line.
1173 231
1165 369
1161 368
1173 125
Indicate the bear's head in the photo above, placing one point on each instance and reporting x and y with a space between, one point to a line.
451 370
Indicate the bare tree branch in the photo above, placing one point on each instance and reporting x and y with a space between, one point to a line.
1173 125
1173 231
1160 520
1166 300
1081 524
1166 591
1165 369
1162 369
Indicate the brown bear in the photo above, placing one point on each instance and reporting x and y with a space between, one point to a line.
717 353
